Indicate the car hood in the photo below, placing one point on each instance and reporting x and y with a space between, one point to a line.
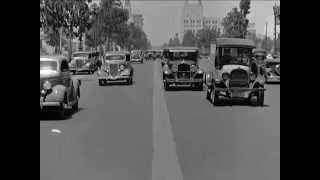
229 68
45 74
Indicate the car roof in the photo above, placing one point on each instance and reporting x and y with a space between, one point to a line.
259 50
117 52
229 42
182 49
58 58
273 60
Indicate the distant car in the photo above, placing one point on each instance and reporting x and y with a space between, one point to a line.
136 57
180 68
57 89
84 62
273 70
236 74
116 67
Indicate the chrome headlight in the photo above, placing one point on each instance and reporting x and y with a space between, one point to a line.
199 71
126 72
88 64
166 72
121 67
47 85
225 76
174 68
193 68
253 76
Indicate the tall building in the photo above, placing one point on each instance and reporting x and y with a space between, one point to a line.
138 20
192 16
193 19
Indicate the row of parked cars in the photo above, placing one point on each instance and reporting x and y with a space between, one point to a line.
237 70
60 90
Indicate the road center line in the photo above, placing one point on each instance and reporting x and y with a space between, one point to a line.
165 165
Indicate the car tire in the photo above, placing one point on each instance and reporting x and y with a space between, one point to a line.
214 97
62 111
75 107
260 98
101 82
166 86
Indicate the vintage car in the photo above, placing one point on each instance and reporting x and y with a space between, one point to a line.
235 73
84 62
116 67
272 70
180 67
57 88
136 56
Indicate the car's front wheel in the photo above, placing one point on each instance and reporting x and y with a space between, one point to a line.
101 82
260 98
75 106
62 111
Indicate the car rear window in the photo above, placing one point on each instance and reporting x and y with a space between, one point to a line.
48 65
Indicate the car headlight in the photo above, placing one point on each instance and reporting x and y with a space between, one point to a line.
199 71
253 76
166 72
193 68
88 64
174 68
225 76
47 85
126 71
122 67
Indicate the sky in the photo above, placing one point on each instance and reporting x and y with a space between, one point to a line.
162 19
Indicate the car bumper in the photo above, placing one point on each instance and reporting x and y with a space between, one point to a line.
238 92
181 81
114 78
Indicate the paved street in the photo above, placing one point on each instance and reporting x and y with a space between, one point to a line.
140 132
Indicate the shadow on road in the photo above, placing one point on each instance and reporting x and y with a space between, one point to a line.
52 115
273 83
226 102
119 84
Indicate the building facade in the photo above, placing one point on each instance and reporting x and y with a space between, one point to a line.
192 18
138 20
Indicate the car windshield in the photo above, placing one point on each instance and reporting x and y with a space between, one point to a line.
115 57
135 56
80 55
176 56
235 56
48 65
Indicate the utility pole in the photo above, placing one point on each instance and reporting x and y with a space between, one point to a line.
266 39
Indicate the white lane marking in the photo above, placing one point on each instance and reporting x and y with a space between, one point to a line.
165 165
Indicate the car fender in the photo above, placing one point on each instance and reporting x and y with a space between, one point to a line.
57 94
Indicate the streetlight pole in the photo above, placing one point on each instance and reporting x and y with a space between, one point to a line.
266 38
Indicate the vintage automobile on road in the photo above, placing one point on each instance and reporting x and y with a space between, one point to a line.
116 67
273 70
235 73
84 62
180 67
136 56
57 88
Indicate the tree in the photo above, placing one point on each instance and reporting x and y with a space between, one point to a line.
176 41
53 39
244 9
72 16
234 24
206 35
189 39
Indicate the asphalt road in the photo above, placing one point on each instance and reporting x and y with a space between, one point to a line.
140 132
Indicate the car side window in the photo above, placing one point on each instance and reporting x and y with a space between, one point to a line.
64 66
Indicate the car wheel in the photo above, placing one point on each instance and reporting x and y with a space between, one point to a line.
208 97
214 97
260 98
100 82
75 106
62 111
166 86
